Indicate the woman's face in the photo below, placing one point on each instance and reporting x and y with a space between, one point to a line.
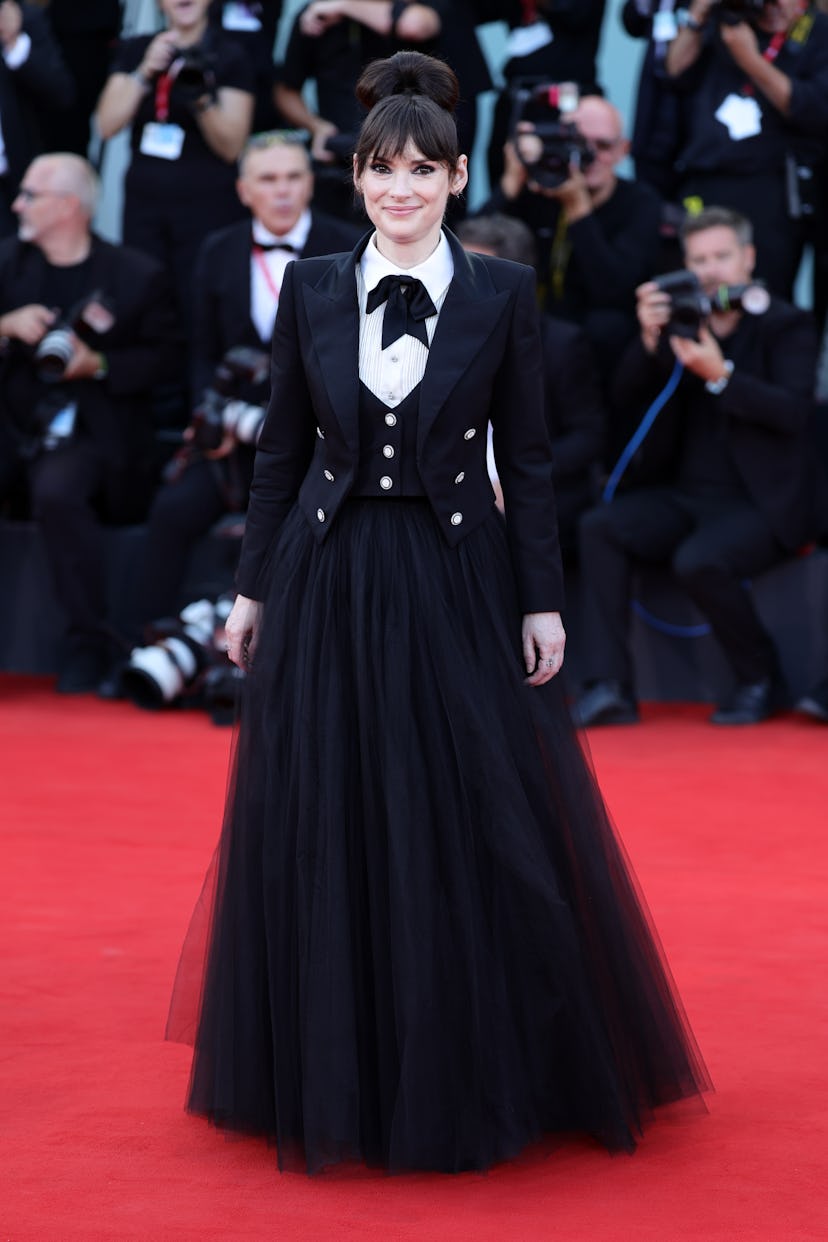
405 195
184 14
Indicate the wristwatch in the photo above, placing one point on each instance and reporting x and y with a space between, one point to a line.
685 18
718 386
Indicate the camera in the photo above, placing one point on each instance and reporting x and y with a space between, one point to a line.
690 306
221 410
90 317
554 145
193 74
731 12
183 654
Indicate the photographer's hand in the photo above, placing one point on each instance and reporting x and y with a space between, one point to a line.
703 357
515 176
573 195
319 17
158 56
742 44
653 310
686 47
28 324
85 363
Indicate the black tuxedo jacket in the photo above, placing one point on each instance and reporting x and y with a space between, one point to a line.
221 287
767 409
484 364
141 348
41 82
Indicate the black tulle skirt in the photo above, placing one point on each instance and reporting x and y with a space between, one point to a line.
424 947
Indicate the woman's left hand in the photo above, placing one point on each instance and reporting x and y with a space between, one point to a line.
543 646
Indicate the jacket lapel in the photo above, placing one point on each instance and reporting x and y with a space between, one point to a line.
333 315
467 318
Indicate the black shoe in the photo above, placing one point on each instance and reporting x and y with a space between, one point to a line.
82 670
751 703
815 703
111 686
607 702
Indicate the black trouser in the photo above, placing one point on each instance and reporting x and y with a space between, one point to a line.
180 514
712 545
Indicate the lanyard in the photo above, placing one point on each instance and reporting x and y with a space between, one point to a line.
778 42
163 86
530 12
259 259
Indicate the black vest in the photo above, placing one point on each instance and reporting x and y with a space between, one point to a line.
388 446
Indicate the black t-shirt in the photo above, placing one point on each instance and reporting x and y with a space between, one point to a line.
715 77
335 59
571 54
198 170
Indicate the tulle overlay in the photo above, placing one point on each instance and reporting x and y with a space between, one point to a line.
425 946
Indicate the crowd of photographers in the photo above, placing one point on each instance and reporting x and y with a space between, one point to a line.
673 286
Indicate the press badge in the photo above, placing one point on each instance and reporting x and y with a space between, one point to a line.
240 17
162 139
741 115
525 40
61 427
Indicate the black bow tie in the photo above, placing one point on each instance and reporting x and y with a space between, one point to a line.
408 307
257 245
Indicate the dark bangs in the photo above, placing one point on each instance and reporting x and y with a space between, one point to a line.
399 119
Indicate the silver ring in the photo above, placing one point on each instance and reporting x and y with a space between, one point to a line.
549 663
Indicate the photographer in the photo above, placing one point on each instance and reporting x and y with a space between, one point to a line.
34 82
330 43
725 484
87 331
187 96
756 78
597 233
236 295
551 41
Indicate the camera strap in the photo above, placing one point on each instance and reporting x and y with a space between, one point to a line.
796 35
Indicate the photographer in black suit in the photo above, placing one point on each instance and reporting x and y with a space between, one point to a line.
236 295
86 330
725 485
34 82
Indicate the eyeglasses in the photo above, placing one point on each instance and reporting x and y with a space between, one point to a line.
604 144
29 196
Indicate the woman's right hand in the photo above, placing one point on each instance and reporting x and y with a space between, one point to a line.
159 55
242 630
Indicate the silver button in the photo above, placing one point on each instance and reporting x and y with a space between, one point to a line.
394 358
329 476
385 482
470 434
388 450
320 515
390 420
390 396
456 519
461 476
320 433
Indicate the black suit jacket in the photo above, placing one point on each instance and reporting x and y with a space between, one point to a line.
484 364
141 347
768 412
221 287
41 82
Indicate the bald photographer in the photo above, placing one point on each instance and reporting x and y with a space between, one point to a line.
724 485
86 330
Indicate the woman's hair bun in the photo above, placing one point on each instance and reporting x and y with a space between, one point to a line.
408 73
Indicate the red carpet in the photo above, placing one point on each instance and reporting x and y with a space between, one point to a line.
109 818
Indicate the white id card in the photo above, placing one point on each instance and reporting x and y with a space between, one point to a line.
163 140
63 423
240 17
525 40
741 115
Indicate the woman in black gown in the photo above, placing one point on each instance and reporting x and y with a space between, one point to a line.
425 947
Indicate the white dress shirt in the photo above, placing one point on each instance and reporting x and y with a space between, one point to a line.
392 373
264 302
